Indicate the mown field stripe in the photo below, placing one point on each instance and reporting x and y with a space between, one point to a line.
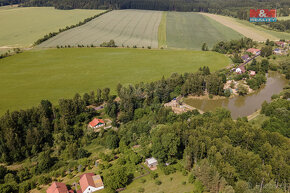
162 31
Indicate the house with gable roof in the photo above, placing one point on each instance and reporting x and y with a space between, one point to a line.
57 187
89 182
96 123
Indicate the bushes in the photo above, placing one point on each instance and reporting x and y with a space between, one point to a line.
111 44
44 180
158 182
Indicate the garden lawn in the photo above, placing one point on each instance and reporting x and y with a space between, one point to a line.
191 30
22 26
169 186
31 76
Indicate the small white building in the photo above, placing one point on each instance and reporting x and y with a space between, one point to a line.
152 163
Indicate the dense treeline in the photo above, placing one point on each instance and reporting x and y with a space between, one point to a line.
218 6
9 2
223 154
279 113
233 46
283 25
27 132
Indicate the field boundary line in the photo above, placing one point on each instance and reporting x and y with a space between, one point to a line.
162 31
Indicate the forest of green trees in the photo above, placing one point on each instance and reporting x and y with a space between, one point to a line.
223 154
229 7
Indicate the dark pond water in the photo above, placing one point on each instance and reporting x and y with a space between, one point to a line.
241 106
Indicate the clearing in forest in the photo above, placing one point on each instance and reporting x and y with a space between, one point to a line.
51 74
248 29
22 26
125 27
191 30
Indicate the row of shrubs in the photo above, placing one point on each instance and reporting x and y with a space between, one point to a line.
52 34
10 53
111 44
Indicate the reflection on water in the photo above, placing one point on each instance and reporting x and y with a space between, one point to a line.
241 106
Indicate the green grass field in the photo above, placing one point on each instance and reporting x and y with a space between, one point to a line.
125 27
21 27
52 74
279 35
191 30
162 31
169 186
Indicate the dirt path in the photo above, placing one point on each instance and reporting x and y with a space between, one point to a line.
242 29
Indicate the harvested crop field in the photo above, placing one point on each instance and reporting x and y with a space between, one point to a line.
125 27
247 30
52 74
22 26
191 30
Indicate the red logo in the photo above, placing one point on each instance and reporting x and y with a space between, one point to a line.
262 13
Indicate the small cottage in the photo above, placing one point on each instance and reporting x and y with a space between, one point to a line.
281 44
240 70
96 123
152 163
254 51
57 187
90 182
277 51
252 73
245 57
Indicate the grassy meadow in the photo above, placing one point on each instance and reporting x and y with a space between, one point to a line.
162 31
125 27
22 26
278 35
191 30
51 74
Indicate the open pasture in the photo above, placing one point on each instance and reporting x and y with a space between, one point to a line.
191 30
248 29
51 74
22 26
125 27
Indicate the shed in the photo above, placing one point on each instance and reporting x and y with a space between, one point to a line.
151 162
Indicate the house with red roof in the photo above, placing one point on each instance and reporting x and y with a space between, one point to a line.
254 51
89 182
57 187
281 44
96 123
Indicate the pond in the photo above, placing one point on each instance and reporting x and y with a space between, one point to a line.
241 106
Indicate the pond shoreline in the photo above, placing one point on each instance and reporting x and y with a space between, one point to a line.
241 106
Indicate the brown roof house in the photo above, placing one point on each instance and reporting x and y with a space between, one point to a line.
240 70
90 182
57 187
